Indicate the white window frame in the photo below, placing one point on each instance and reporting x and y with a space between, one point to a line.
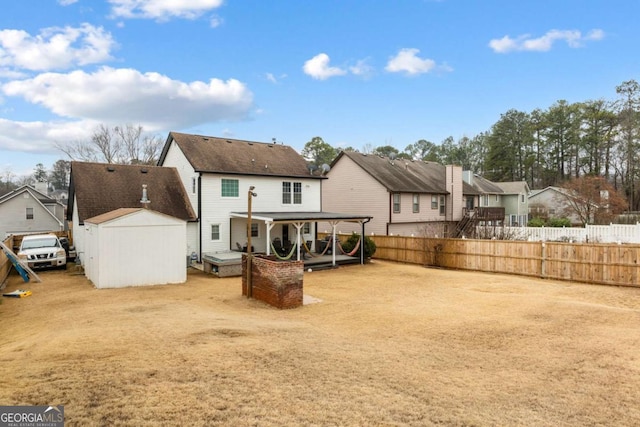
396 199
218 232
291 192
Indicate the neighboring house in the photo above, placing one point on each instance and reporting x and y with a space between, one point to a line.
515 199
551 202
512 196
404 197
26 210
99 188
220 173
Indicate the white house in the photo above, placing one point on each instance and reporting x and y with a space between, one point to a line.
218 174
135 247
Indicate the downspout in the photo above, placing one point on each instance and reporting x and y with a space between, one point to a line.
362 236
200 216
390 211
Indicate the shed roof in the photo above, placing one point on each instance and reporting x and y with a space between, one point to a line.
404 176
100 188
120 213
233 156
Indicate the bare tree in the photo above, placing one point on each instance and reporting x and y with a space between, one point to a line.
593 200
119 144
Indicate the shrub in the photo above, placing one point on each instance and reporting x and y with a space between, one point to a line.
352 241
536 222
559 222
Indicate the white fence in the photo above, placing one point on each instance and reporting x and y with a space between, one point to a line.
613 233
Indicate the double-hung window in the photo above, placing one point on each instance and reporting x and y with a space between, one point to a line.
416 203
255 230
396 202
215 231
29 213
443 205
291 193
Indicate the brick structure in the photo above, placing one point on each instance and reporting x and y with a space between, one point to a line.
278 283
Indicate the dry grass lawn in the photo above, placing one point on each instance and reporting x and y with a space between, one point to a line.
389 344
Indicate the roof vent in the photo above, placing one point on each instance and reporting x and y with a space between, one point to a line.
145 200
250 143
229 141
110 169
144 170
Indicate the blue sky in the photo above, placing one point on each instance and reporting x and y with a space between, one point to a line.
353 72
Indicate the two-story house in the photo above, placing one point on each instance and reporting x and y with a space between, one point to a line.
512 196
222 176
27 210
404 197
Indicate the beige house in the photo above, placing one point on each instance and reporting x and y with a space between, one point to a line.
27 210
404 197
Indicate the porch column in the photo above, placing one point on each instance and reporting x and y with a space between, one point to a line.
269 225
298 226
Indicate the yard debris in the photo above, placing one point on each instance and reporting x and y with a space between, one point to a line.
19 293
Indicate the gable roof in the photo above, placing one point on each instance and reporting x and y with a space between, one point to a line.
42 198
484 186
99 188
210 154
403 176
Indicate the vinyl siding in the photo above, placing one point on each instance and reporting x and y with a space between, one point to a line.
14 219
217 210
175 158
350 189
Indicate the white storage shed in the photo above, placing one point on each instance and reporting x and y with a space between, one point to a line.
135 247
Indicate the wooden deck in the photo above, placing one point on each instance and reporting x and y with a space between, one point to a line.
229 263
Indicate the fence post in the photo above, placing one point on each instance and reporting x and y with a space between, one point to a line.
543 256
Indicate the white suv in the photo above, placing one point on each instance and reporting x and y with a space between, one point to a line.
42 250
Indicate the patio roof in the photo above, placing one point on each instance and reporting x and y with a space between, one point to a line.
291 217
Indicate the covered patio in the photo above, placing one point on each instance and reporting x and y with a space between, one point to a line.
299 245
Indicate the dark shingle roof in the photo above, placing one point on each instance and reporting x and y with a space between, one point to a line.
233 156
404 176
100 188
485 186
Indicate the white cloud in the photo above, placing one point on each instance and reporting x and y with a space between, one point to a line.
407 61
40 137
318 67
525 42
361 68
67 2
162 10
215 21
55 48
127 96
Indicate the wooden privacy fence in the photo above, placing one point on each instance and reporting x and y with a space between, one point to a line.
608 264
5 264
